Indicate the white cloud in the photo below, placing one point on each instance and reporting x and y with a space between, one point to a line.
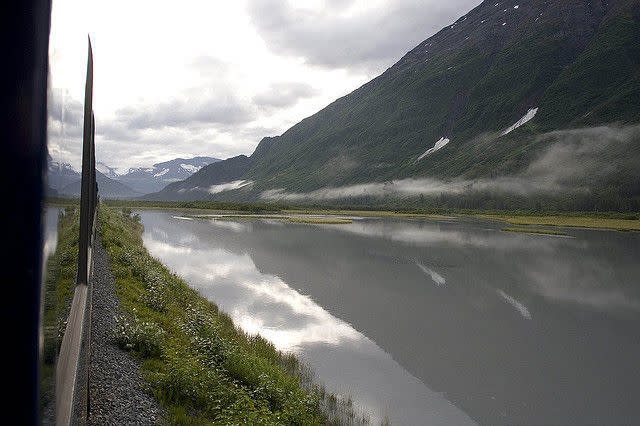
179 79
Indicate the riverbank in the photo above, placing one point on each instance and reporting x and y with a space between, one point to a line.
304 219
196 362
618 221
534 231
606 223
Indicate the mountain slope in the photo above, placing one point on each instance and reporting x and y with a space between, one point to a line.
562 64
60 174
110 172
107 188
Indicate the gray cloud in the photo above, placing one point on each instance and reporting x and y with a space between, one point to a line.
218 108
143 147
369 40
116 141
146 134
283 95
213 119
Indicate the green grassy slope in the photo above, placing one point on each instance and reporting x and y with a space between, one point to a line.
603 84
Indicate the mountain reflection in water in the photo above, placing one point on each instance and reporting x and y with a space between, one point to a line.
428 321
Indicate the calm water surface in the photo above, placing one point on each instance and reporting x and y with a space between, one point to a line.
432 322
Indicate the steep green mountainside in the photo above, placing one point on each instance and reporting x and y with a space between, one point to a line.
568 63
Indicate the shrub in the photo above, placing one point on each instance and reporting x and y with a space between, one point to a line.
145 338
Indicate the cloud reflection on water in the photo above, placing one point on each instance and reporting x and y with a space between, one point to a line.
436 277
299 320
436 232
369 274
523 310
343 358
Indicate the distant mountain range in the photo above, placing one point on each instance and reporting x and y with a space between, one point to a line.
60 174
107 188
64 180
517 98
152 179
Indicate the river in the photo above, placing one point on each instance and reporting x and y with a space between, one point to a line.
435 322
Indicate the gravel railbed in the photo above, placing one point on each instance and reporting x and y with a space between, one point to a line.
116 392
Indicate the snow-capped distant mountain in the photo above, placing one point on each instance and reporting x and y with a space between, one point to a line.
63 180
152 179
106 170
137 181
60 174
107 188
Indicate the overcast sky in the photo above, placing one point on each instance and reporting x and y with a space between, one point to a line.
187 78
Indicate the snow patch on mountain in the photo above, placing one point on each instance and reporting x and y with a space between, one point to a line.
56 166
133 170
106 170
442 142
229 186
60 174
162 173
190 168
525 119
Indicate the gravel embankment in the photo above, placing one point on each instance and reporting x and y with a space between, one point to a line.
115 386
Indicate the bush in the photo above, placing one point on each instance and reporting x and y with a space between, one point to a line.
145 338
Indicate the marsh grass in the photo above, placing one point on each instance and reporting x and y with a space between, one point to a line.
245 217
317 220
314 220
368 213
196 362
534 231
617 224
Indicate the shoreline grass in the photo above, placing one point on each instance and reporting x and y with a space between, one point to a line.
314 220
197 363
366 213
535 231
562 221
235 217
